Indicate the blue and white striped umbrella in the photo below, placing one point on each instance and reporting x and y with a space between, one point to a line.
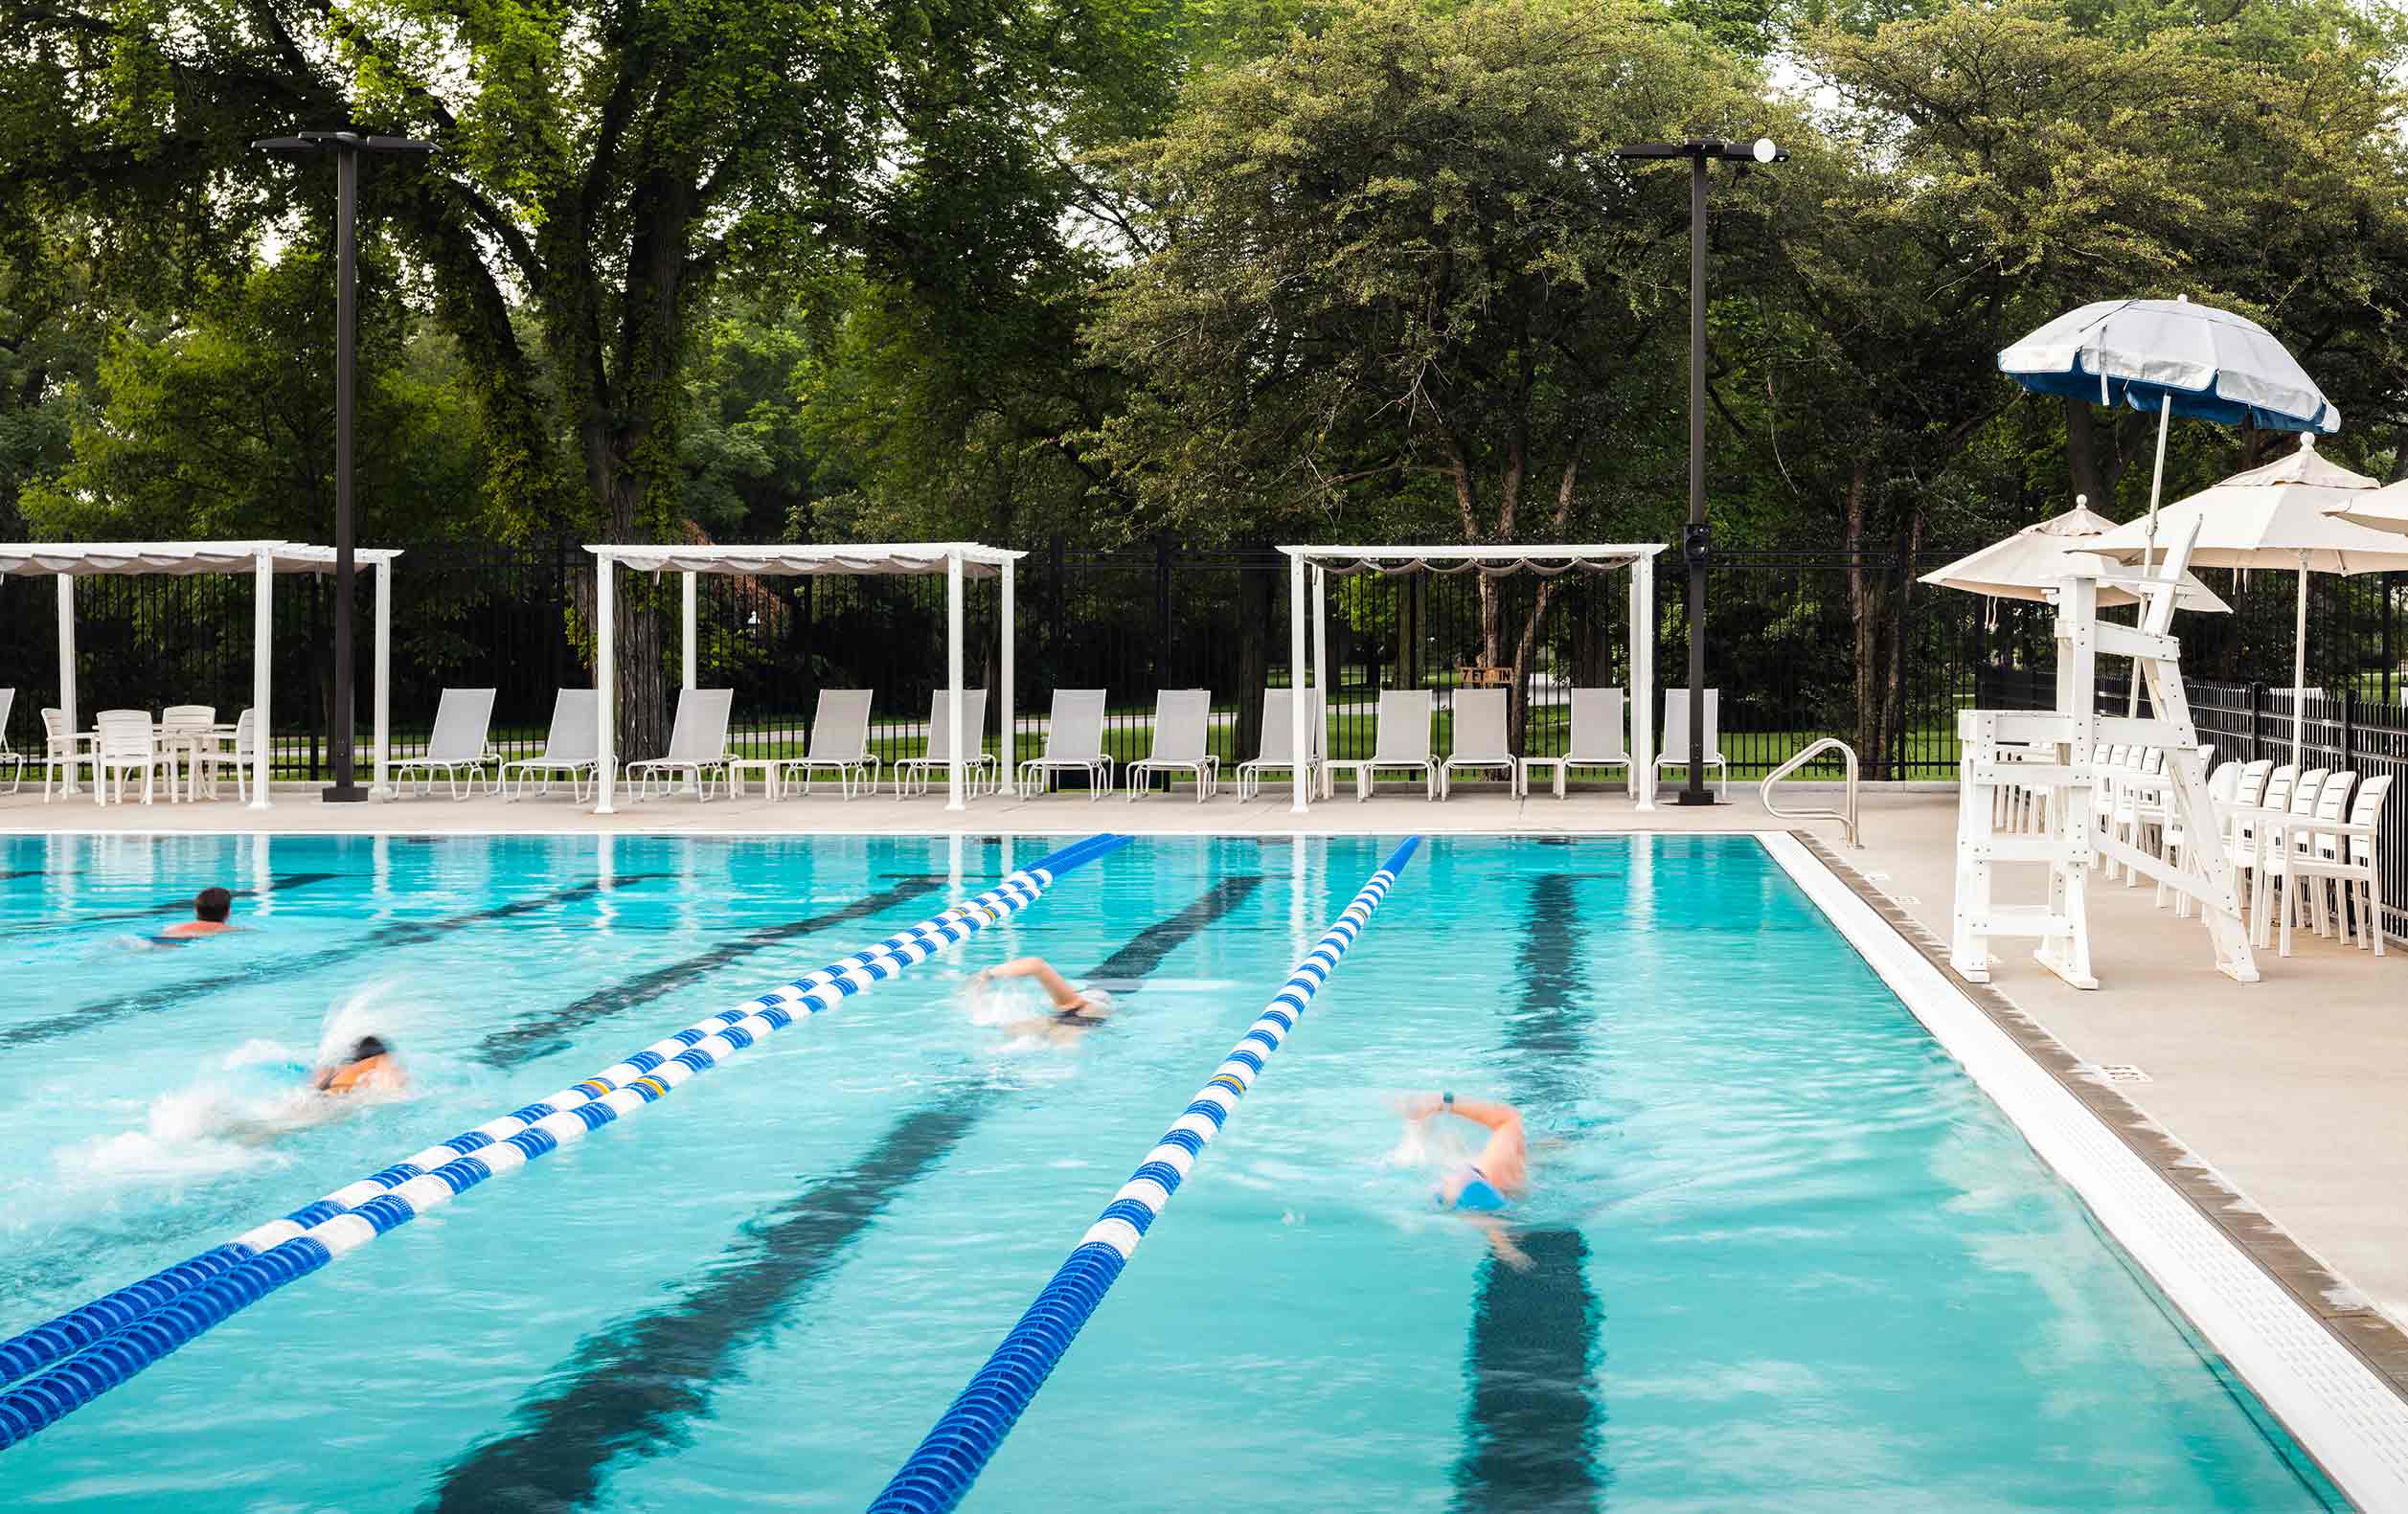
2172 357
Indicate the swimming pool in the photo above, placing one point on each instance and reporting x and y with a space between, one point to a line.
1783 1252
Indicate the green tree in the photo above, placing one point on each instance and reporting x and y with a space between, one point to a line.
1398 275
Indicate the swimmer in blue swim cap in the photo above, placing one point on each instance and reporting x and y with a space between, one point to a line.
1500 1174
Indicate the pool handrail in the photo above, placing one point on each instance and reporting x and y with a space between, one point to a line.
938 1472
84 1352
1845 815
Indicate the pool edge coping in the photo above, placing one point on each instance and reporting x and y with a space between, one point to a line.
2363 1446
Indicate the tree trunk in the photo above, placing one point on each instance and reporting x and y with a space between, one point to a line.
1253 656
2086 469
1864 610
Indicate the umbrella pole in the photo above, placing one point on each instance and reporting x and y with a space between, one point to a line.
2299 671
2149 552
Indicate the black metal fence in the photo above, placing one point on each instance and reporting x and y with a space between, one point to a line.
1803 644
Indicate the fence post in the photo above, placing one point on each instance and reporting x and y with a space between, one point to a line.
1162 612
2257 720
2350 728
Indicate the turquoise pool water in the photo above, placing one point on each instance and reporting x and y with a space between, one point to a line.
1781 1253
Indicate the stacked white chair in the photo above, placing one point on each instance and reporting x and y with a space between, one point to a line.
983 768
127 742
240 754
1074 743
1674 752
1277 748
697 744
840 743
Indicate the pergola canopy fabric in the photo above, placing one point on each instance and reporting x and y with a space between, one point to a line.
978 562
179 559
1309 567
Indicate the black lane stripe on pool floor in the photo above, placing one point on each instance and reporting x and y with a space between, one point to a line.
280 883
1535 1425
634 1383
517 1044
384 938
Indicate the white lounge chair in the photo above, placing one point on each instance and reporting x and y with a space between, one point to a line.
9 757
697 744
1074 743
572 747
239 753
1183 719
1403 740
1674 752
127 741
840 741
1279 739
458 745
983 770
1599 739
1480 745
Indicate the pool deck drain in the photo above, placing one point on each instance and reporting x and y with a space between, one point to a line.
2366 1331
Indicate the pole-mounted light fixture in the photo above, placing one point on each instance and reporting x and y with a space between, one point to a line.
345 147
1697 538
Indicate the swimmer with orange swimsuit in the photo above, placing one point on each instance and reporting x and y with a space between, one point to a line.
371 1067
209 917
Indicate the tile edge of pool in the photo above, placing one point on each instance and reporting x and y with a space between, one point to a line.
2350 1416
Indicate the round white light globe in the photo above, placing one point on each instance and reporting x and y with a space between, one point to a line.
1765 150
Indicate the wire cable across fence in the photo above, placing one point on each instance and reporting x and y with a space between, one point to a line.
89 1350
940 1472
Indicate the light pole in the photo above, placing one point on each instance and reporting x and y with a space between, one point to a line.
345 147
1696 539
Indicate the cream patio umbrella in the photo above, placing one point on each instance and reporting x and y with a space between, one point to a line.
2384 510
2031 563
2275 516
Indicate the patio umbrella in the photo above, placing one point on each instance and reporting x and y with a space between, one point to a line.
2176 359
2031 563
2277 516
2384 510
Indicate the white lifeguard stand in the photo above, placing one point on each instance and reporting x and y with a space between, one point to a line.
2051 754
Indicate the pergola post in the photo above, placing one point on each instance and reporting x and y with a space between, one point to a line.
686 626
953 676
1010 750
67 673
1300 742
1643 680
262 650
605 685
383 786
1321 679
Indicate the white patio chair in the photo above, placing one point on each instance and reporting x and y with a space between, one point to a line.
127 741
1183 720
61 748
11 758
1675 750
239 751
697 744
1403 740
1598 738
982 769
183 731
840 741
1278 749
1074 743
1480 744
2347 855
458 745
573 746
2175 841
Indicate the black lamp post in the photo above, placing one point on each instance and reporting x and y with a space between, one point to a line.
1696 539
345 147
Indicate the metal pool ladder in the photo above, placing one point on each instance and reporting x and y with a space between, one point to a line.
1845 815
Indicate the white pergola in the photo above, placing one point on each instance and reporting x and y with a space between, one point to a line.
70 560
1318 563
957 561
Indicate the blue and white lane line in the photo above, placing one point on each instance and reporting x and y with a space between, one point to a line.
109 1340
940 1472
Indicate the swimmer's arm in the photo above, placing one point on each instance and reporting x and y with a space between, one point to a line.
1485 1111
1057 987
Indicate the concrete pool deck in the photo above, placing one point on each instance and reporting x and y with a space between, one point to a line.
2290 1090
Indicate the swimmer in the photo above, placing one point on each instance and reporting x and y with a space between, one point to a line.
1075 1008
210 910
1484 1188
371 1067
